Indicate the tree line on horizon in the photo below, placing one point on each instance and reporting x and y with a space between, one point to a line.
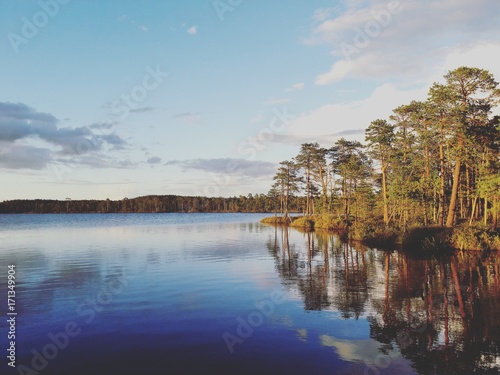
149 204
433 162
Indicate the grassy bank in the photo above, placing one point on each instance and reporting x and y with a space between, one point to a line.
429 239
278 220
416 239
307 222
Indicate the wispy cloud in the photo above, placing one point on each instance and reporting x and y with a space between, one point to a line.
127 19
409 42
296 86
242 167
154 160
349 132
190 118
94 160
103 125
334 120
23 156
142 110
323 14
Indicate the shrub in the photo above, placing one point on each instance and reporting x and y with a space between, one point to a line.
475 238
424 240
306 222
373 232
328 221
277 220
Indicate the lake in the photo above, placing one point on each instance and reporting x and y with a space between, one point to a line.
223 294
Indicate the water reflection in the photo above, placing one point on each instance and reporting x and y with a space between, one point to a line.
442 314
346 309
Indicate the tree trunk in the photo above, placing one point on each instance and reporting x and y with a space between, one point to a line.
443 181
473 210
454 190
384 196
485 211
426 215
495 212
308 191
468 189
345 197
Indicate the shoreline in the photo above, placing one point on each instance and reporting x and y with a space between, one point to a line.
416 239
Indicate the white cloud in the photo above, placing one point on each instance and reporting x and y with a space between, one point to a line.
22 126
365 351
322 14
332 121
370 39
143 28
338 71
296 86
190 118
480 55
230 166
192 30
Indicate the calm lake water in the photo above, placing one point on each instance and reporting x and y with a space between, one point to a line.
224 294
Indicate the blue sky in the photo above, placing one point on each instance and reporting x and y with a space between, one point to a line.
119 99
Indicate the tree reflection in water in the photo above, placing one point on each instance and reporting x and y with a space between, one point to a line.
440 313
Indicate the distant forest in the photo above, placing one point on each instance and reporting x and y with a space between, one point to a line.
151 203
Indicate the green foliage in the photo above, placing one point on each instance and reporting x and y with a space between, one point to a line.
306 222
424 240
475 238
277 220
312 160
432 162
151 203
328 221
373 232
286 185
